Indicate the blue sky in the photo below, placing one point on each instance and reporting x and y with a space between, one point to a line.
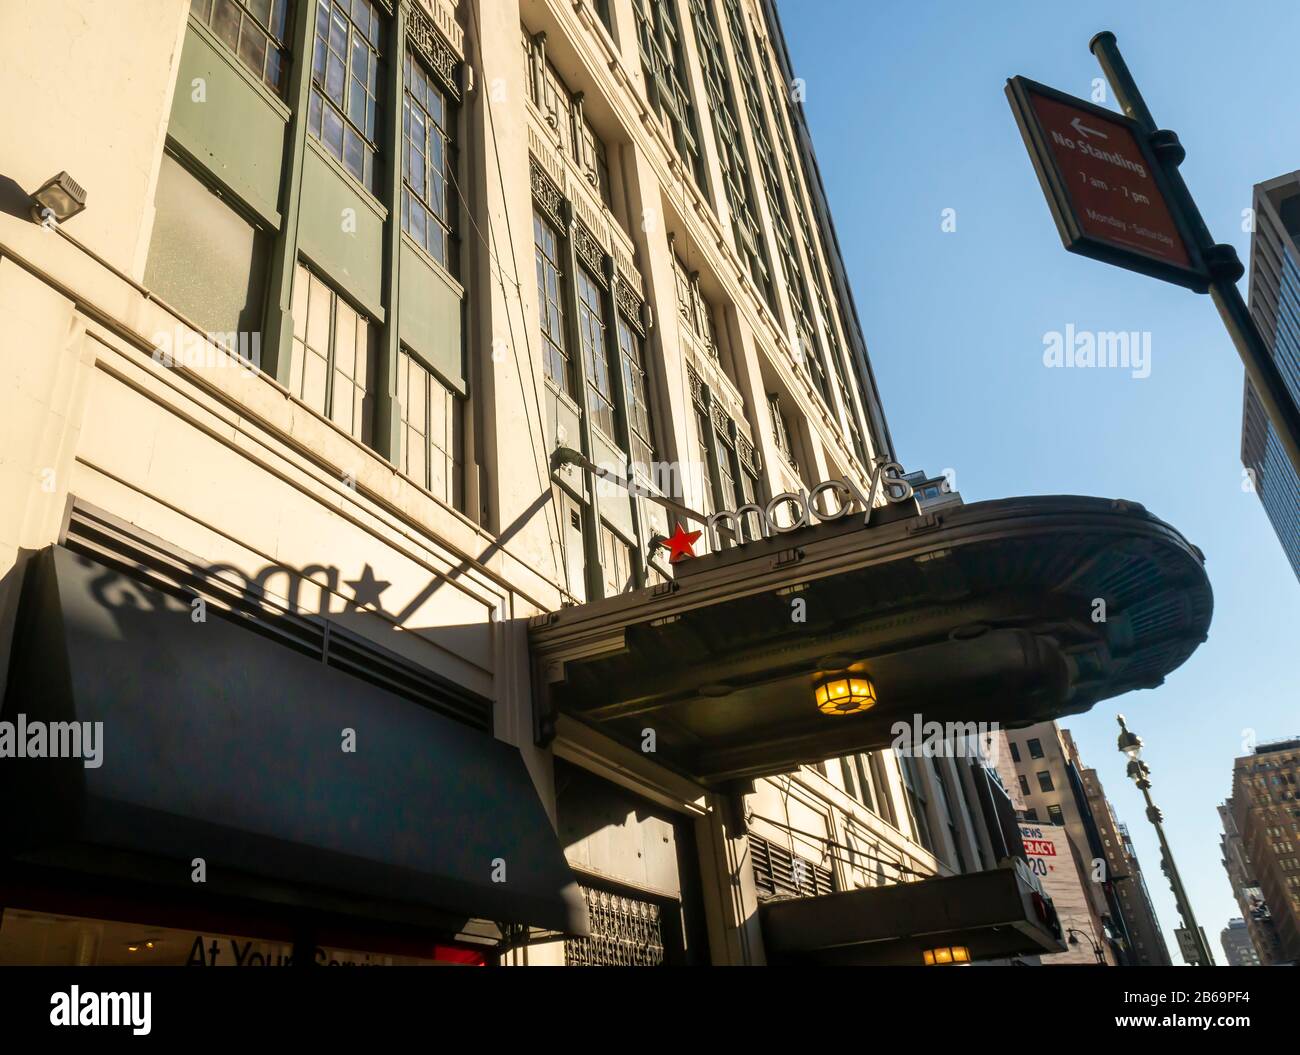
908 115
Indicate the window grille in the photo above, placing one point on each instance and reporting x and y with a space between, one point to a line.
625 932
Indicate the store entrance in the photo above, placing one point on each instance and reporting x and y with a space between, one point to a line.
638 868
67 930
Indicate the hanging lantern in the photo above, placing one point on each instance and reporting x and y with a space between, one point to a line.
845 694
948 956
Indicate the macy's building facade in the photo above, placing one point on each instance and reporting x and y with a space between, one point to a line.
341 431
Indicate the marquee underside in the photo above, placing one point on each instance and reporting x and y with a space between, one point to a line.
1014 611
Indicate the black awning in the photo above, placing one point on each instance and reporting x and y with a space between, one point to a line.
220 743
993 914
1016 612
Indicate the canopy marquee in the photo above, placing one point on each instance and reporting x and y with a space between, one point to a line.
996 913
1013 611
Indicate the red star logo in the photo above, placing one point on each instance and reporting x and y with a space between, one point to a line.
680 543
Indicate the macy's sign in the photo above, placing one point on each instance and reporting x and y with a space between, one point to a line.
803 506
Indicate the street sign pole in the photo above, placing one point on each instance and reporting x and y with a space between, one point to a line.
1220 260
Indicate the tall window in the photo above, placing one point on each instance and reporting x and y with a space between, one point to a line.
732 156
562 110
880 778
591 333
846 775
833 354
346 85
550 303
778 103
570 513
748 460
917 803
695 310
255 31
864 782
726 471
638 400
767 162
432 428
810 356
856 781
205 258
617 562
659 39
728 465
1035 748
1045 781
333 355
428 164
705 436
594 160
782 433
947 804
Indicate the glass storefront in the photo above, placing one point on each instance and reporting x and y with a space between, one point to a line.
41 938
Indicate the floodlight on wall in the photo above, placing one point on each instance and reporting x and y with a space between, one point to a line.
59 198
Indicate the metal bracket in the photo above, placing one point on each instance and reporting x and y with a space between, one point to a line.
925 522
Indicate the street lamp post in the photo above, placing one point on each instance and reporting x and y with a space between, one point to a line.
1130 744
1096 949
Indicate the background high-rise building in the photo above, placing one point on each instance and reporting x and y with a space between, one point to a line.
1238 949
1266 809
1038 760
1145 946
1058 867
1246 889
1057 789
1275 307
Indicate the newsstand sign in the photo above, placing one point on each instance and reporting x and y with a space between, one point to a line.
1103 184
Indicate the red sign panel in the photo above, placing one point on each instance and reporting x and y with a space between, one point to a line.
1103 186
1040 848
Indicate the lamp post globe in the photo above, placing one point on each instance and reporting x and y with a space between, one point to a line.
1129 743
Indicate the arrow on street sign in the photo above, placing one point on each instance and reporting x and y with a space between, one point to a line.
1085 131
